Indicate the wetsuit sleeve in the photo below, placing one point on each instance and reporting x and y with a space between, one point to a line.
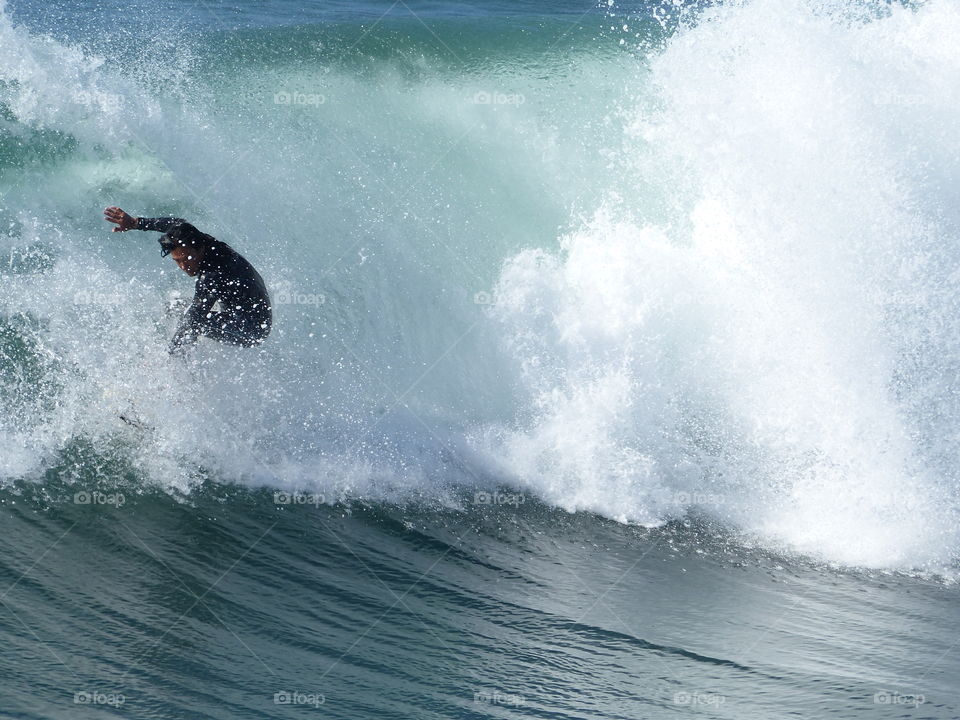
189 329
160 224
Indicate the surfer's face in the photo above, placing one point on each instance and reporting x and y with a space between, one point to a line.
187 259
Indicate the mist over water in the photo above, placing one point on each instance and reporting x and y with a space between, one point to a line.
717 276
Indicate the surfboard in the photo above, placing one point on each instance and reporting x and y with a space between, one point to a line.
128 416
131 420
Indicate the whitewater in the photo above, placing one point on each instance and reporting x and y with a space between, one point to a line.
750 300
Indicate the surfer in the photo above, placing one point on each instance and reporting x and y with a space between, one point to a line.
224 277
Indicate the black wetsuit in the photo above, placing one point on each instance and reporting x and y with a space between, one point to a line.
244 316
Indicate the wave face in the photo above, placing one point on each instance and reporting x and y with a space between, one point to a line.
703 265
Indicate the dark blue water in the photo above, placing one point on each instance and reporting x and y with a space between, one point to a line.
211 606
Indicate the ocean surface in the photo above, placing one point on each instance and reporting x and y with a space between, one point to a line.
614 370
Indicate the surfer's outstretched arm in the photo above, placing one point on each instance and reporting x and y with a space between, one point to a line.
125 221
160 224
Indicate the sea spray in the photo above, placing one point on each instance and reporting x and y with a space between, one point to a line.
784 342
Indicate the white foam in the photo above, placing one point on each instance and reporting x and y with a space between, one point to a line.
776 354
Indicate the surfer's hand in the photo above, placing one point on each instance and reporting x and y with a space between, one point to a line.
123 220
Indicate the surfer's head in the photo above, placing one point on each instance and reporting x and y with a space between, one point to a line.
187 259
187 245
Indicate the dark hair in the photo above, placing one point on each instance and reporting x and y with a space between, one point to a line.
183 234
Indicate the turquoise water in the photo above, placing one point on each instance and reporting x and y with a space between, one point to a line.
611 374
